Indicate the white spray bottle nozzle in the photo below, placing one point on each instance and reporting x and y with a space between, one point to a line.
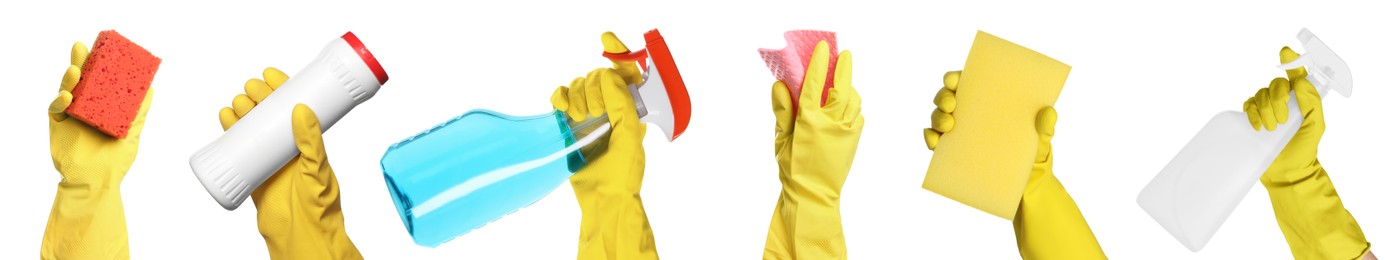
1326 70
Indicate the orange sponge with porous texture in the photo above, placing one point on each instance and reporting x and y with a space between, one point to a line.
114 82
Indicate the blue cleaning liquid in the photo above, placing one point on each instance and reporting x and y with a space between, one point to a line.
475 169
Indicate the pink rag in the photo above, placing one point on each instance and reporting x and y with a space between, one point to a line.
788 64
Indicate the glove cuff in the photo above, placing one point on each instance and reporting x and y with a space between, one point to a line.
327 243
86 222
1312 217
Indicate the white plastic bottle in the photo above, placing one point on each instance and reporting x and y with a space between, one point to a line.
1196 192
344 75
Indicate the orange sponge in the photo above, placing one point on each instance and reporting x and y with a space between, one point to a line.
114 82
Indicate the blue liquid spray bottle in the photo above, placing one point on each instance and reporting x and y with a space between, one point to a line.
483 165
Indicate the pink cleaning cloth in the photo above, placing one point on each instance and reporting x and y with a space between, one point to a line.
788 64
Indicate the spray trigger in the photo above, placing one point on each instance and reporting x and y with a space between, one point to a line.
661 99
1327 71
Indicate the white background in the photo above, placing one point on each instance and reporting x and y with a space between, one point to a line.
1145 78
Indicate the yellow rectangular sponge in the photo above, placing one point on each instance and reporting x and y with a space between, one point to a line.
985 161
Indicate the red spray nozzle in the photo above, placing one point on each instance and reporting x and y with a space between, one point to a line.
670 104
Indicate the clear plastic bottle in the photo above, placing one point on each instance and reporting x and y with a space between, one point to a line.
467 172
483 165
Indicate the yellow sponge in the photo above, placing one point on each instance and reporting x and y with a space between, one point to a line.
985 161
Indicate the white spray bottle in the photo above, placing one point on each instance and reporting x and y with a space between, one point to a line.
1196 192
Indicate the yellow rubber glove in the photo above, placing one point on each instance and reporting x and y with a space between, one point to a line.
1306 205
299 207
88 216
608 188
1047 224
815 151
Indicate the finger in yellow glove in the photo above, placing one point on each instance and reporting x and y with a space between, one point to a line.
614 225
1047 224
88 216
298 208
1307 207
814 150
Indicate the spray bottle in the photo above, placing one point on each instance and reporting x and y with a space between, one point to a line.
344 75
1196 192
483 165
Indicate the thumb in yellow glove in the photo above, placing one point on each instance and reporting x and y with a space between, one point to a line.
1306 205
299 208
1047 224
88 216
608 188
814 150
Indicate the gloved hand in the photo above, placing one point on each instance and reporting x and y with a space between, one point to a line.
1306 205
1047 224
608 188
88 216
299 208
814 150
